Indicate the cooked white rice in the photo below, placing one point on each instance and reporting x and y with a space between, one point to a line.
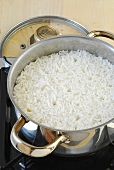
67 90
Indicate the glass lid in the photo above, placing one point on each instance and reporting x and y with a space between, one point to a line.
35 29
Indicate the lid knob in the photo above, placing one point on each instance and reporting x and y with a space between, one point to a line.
45 32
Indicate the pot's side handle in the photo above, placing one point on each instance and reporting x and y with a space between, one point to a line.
101 34
28 149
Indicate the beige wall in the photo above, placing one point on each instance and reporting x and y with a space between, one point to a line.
93 14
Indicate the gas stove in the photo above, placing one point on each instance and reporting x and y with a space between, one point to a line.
11 159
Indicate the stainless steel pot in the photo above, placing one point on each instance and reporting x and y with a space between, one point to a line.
61 142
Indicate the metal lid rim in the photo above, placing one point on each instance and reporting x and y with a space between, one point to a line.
26 22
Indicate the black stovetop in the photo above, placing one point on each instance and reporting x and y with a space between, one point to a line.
11 159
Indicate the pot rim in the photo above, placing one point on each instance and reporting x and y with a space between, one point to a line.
27 50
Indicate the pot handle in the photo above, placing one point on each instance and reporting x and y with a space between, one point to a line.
101 34
28 149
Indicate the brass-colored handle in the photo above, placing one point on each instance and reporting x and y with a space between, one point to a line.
101 34
28 149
